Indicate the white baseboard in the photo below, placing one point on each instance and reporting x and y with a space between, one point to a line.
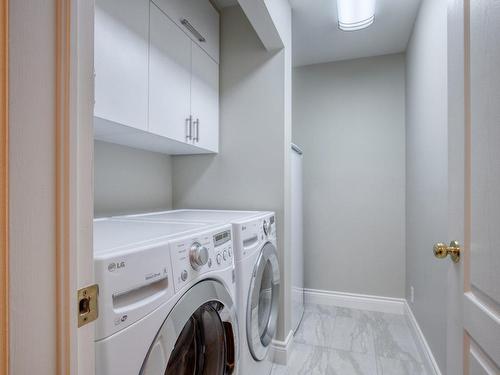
355 301
280 350
424 346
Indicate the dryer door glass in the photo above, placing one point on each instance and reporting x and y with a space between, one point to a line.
198 336
263 299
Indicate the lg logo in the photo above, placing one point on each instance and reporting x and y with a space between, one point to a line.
115 266
120 319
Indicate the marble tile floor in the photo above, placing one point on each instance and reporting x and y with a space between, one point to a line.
341 341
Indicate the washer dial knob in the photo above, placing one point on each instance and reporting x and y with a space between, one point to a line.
184 275
198 255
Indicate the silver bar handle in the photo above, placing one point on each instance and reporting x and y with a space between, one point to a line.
297 149
193 31
196 124
189 128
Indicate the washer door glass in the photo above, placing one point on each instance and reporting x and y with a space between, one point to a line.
196 340
200 348
263 298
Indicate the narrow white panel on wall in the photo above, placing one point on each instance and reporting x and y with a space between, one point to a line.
297 239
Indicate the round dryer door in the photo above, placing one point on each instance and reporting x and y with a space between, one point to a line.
263 302
199 335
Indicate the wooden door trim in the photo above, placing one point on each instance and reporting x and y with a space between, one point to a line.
63 179
4 187
74 157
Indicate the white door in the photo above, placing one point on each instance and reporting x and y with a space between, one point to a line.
205 99
169 77
473 331
121 61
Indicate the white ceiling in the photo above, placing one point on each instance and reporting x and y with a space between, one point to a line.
316 38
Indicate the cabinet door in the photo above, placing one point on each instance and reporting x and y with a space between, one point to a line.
205 99
121 61
169 77
198 19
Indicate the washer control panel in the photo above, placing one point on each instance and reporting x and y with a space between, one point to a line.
131 285
204 252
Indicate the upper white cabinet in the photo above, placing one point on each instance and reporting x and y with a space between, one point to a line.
169 78
198 19
204 99
157 75
121 61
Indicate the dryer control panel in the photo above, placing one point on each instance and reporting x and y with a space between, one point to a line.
196 255
250 235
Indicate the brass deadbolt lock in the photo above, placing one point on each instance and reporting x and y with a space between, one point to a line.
441 251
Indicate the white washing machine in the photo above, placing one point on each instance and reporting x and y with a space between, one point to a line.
257 276
166 298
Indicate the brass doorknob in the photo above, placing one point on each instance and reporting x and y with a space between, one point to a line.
441 251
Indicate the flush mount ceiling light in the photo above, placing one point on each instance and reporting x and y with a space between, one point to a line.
355 14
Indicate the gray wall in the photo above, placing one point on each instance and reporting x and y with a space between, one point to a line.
427 178
249 171
130 180
349 119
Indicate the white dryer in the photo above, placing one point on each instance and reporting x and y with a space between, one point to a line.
257 276
166 298
258 289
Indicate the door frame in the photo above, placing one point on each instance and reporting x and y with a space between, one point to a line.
74 180
74 97
63 149
4 187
